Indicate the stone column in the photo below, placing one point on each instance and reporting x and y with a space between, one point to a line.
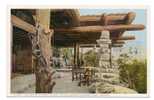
107 74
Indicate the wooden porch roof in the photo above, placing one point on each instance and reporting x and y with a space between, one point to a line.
70 27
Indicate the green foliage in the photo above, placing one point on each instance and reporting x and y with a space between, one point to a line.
90 58
56 52
133 72
67 55
141 82
67 52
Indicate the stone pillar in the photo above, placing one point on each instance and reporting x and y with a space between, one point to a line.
107 74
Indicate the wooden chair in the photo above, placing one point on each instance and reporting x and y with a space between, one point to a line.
77 73
88 75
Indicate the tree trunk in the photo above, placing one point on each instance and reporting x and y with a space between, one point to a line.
44 72
43 52
41 47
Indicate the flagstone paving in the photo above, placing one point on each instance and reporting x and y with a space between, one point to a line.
64 84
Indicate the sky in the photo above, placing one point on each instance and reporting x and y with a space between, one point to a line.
141 38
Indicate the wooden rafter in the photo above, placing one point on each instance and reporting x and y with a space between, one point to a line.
87 34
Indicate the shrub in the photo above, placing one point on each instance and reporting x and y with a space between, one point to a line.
133 72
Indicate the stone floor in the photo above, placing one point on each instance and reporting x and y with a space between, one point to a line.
23 84
64 84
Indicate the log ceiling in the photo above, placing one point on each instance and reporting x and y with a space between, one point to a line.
69 27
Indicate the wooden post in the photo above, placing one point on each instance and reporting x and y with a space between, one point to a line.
74 54
77 60
110 47
77 55
13 56
43 52
74 60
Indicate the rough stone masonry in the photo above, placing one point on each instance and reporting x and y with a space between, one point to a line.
107 74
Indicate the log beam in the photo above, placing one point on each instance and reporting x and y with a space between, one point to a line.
107 19
118 42
17 22
88 45
130 17
124 38
117 45
97 29
92 45
31 29
75 38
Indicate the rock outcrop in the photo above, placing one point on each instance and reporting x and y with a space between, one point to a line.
109 88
